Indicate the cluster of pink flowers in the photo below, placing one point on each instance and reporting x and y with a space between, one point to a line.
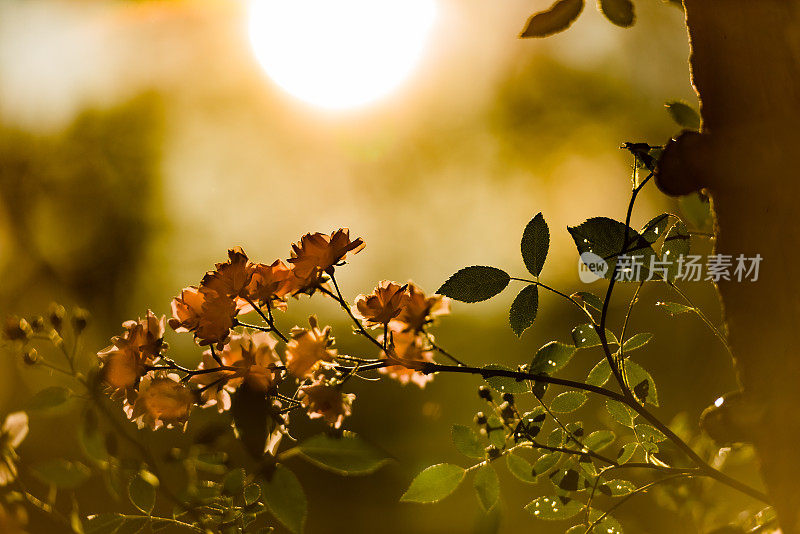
157 392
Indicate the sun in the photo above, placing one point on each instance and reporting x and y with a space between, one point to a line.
340 54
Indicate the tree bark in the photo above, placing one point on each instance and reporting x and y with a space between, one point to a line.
745 66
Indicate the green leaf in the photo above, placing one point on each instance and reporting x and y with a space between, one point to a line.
619 12
233 483
505 384
604 238
558 18
523 309
103 523
535 244
467 442
642 384
253 418
497 437
656 227
551 357
649 434
599 374
434 483
621 413
346 455
616 487
49 399
697 210
599 440
585 336
674 308
61 473
487 486
676 244
554 508
569 401
683 114
251 494
474 284
520 468
142 492
91 439
285 498
626 452
637 341
546 462
608 525
590 299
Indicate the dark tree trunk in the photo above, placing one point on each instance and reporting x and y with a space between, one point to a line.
745 63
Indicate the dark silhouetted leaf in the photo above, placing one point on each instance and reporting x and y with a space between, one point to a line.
556 19
569 482
656 227
535 244
620 12
434 483
590 299
683 114
345 455
604 239
487 487
523 309
285 498
474 284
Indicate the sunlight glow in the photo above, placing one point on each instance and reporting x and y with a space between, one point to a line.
340 54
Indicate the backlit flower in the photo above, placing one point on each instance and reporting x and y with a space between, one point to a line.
419 310
270 284
307 348
125 361
318 253
230 278
162 401
382 305
253 355
323 400
206 313
408 352
12 433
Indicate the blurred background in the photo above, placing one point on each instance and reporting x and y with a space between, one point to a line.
140 140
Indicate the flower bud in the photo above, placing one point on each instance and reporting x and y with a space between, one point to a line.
508 397
30 356
485 393
480 418
492 452
507 411
55 315
17 329
37 323
80 319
